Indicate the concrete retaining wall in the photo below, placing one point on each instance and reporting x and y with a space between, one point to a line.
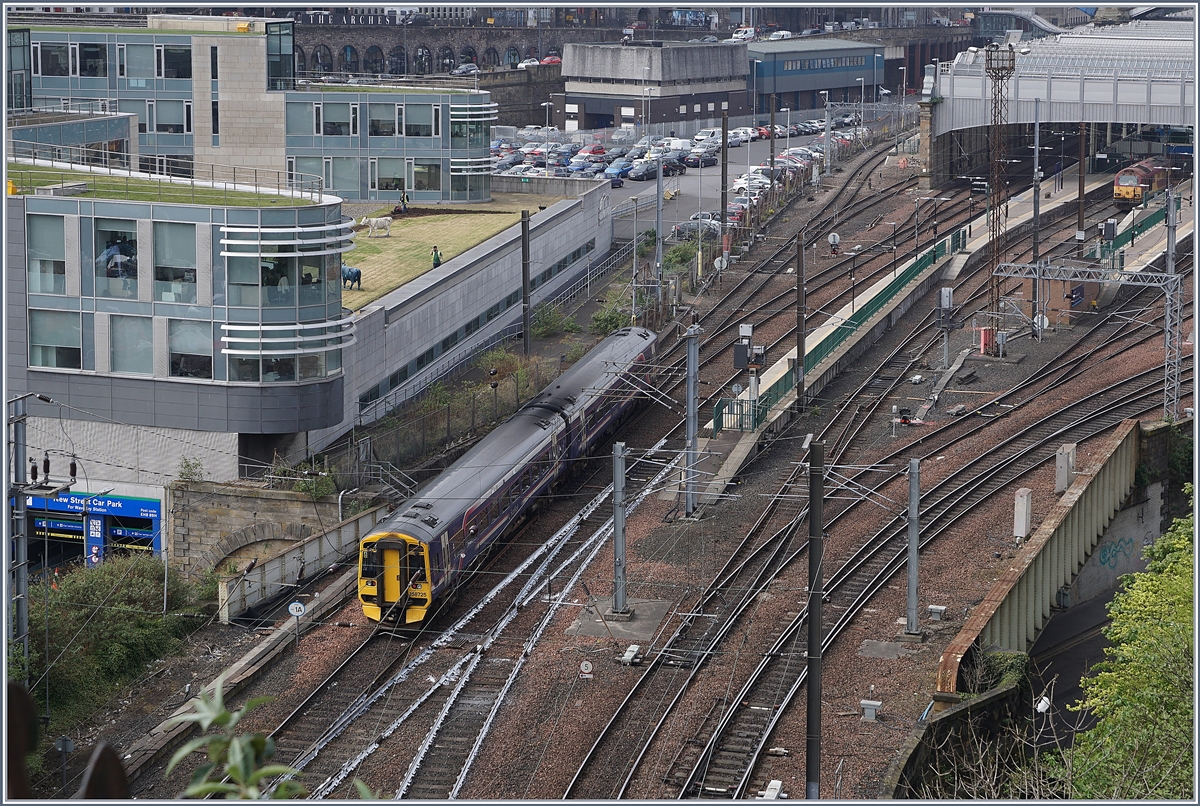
1018 605
289 567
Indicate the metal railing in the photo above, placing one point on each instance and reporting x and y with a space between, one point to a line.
111 173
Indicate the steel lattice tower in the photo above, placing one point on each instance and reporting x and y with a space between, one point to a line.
999 67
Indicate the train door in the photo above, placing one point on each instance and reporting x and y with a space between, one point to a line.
395 578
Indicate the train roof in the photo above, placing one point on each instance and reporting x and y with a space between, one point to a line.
494 457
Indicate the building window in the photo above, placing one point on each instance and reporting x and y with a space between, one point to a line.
419 120
381 120
243 369
55 340
132 339
170 118
216 119
121 61
277 370
140 61
243 282
316 119
174 262
300 119
55 59
280 56
212 61
427 174
391 173
172 61
336 120
190 348
116 264
93 60
47 251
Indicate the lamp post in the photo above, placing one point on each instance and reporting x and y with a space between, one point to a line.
754 92
893 224
862 91
828 145
787 141
645 88
547 105
917 221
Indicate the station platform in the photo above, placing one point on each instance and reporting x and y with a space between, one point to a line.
724 451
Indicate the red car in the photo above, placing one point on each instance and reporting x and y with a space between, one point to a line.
596 149
552 60
764 132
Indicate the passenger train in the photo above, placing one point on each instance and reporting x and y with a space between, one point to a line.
1146 177
423 551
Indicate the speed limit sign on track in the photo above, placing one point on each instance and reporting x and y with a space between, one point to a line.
585 670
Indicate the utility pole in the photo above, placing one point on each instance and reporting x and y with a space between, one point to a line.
772 162
618 602
1037 192
914 543
693 383
800 348
525 325
725 185
19 623
816 516
658 239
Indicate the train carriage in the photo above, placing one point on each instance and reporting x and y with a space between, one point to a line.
424 550
1133 183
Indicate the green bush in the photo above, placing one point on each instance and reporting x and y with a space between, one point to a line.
606 320
105 624
549 320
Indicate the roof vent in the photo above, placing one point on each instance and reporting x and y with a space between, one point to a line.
422 505
429 520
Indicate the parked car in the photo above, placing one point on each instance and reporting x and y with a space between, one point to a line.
620 167
701 160
705 134
624 136
673 168
643 170
685 230
748 133
552 59
764 132
592 149
618 182
465 69
579 162
636 153
527 63
529 132
615 153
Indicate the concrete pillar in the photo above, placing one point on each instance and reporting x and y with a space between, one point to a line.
1022 515
1064 468
925 180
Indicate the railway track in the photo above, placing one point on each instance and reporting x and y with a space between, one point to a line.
453 687
606 771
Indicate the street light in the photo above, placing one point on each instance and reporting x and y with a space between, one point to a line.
862 91
917 221
754 92
645 88
787 142
893 224
547 105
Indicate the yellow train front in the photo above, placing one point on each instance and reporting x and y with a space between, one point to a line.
423 551
1131 184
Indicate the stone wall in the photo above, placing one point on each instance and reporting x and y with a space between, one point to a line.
518 94
251 119
200 515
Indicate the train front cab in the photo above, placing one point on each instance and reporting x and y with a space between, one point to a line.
394 568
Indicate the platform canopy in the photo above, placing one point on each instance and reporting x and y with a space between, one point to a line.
1141 72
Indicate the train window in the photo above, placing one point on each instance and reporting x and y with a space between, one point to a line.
370 562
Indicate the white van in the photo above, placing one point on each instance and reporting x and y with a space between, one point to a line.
704 134
678 144
743 35
775 37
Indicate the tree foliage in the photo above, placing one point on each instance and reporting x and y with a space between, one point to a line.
104 624
1142 693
